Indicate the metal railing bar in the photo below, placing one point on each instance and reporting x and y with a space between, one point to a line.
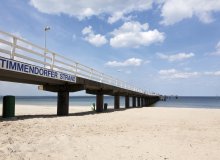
6 42
61 68
32 51
5 51
31 59
58 55
64 63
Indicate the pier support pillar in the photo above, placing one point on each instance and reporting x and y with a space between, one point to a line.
127 101
149 101
145 101
134 101
142 103
99 102
138 101
116 102
63 104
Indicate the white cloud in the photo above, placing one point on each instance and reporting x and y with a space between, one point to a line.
119 16
174 11
95 39
215 73
87 8
126 63
217 51
175 57
146 62
115 17
174 74
87 30
133 34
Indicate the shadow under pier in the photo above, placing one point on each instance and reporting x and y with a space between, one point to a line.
86 113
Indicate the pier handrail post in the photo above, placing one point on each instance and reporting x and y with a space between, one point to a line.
45 54
53 60
76 69
101 78
13 48
91 72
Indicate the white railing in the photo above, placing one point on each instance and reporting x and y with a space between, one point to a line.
17 48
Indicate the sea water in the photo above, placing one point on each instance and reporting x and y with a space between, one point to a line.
190 102
51 101
87 101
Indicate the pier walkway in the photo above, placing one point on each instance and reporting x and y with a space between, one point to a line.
24 62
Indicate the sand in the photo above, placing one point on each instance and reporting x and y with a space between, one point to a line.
136 134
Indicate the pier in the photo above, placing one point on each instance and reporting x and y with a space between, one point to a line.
24 62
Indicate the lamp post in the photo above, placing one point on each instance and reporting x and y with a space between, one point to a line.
47 28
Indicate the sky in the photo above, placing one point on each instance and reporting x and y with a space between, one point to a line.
170 47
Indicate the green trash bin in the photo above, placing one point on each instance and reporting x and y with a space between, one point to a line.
105 106
8 106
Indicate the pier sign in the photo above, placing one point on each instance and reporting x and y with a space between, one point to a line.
21 67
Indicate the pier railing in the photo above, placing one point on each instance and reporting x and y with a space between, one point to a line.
16 48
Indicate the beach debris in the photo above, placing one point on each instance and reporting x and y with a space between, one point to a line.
11 150
93 107
10 140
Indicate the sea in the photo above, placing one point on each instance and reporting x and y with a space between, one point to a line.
87 101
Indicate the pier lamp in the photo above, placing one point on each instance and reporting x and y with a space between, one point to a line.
47 28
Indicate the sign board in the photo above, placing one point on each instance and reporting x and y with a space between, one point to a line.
21 67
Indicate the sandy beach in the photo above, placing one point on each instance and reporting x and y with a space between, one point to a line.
139 133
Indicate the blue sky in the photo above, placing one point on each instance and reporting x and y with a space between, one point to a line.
163 46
